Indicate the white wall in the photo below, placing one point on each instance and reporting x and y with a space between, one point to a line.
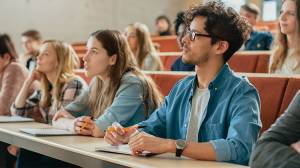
73 20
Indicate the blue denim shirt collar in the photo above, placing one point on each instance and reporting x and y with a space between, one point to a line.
214 85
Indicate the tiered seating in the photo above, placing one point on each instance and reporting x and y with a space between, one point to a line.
246 61
271 26
166 43
275 91
80 49
168 58
250 61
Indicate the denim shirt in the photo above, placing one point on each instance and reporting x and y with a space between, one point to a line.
231 121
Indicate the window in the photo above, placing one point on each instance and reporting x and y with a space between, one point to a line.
236 4
270 10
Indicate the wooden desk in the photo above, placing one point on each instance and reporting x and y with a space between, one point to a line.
79 150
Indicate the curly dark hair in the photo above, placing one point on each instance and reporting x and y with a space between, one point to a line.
179 21
222 23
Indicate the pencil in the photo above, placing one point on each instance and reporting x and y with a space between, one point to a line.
85 123
126 129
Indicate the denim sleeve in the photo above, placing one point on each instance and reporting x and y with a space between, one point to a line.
244 126
126 103
156 123
273 148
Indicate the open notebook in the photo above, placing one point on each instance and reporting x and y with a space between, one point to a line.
46 131
121 149
7 119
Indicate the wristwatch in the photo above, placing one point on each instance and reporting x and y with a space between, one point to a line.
180 145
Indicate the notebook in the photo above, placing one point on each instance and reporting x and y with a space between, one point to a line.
7 119
46 131
121 149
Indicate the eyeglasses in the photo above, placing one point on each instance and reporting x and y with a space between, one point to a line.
193 34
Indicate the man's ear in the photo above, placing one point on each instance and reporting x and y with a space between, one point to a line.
222 47
6 56
113 59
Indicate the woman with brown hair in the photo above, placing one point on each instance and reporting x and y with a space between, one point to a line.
141 45
118 92
12 75
286 53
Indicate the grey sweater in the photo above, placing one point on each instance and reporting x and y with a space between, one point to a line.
273 149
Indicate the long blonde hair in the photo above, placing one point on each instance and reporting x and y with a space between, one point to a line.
145 45
67 62
102 94
280 50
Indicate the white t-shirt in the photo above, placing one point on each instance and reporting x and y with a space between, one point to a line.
199 104
289 65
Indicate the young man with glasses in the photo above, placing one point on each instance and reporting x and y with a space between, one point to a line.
213 115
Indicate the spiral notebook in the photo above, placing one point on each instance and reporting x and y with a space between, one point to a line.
47 131
8 119
120 149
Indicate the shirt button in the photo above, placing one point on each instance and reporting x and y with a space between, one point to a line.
216 88
185 125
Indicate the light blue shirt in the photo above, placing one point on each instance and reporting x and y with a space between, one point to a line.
231 120
127 107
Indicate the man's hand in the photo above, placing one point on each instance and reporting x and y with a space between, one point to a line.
146 142
116 134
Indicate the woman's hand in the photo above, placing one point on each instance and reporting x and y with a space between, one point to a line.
35 75
85 125
62 113
116 134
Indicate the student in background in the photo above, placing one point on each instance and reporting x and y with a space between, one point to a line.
119 91
285 58
163 26
139 40
213 115
59 86
12 75
258 40
179 29
31 40
280 145
58 83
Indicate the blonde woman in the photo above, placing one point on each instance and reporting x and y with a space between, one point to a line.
119 90
58 87
286 54
141 45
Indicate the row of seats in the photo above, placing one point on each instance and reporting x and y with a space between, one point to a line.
166 43
271 26
162 43
246 61
276 91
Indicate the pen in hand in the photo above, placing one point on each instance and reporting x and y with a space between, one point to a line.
85 124
127 129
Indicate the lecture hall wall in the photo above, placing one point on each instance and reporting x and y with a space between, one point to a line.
73 20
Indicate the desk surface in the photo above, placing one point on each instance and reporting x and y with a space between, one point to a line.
79 150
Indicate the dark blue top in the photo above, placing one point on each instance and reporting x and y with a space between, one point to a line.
178 65
259 41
